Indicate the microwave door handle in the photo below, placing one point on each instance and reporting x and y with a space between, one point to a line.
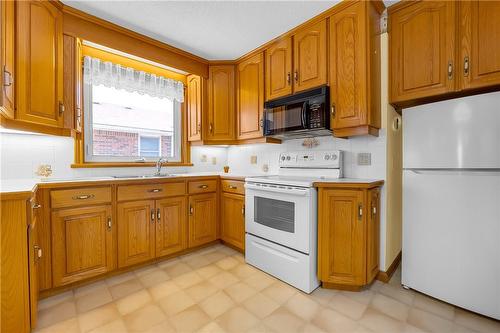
303 115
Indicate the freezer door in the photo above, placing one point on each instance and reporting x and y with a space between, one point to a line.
451 237
460 133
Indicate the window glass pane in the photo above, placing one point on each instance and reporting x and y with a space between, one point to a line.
150 146
276 214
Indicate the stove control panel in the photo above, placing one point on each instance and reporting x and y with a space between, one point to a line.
325 159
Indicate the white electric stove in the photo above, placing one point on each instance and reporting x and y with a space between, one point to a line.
281 216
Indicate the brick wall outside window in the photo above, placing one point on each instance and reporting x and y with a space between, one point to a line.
166 145
114 143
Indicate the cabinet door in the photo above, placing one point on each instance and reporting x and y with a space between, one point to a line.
309 57
422 50
202 219
194 105
341 237
34 253
136 228
233 219
82 243
250 99
348 67
279 69
171 225
221 115
72 88
480 46
373 234
7 58
39 63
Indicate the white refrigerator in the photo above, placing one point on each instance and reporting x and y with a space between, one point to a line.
451 201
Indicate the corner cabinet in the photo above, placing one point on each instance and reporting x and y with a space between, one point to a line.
232 202
355 70
7 61
220 122
348 235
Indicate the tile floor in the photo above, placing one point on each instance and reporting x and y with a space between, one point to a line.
213 290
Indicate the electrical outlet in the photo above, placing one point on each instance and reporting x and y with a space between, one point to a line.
214 160
203 158
364 159
253 159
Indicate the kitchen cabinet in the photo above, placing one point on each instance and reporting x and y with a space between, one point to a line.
202 219
279 69
194 106
348 233
233 219
7 61
34 256
39 63
250 97
221 105
82 243
73 82
171 225
355 70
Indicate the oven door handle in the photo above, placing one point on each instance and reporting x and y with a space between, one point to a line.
265 188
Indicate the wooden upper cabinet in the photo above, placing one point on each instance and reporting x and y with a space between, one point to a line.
202 219
136 227
171 225
479 62
82 243
39 63
221 115
279 69
373 234
309 57
194 107
7 61
250 98
73 82
422 50
233 219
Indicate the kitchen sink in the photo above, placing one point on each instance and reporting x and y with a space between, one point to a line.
146 176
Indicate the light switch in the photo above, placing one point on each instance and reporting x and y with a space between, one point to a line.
364 159
253 159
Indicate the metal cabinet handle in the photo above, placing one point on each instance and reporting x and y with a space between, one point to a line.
191 210
7 77
38 252
158 214
61 108
203 186
288 80
332 111
466 66
109 223
232 187
296 76
155 190
450 70
243 210
374 210
261 123
152 216
360 211
83 197
36 206
210 128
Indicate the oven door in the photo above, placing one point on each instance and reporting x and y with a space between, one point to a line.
286 118
281 214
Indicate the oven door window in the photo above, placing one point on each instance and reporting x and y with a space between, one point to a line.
276 214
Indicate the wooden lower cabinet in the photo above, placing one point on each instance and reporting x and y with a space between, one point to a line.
348 233
202 219
171 225
82 243
233 219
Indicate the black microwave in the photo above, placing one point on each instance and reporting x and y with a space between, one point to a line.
304 114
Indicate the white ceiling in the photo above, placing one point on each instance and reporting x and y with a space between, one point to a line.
214 30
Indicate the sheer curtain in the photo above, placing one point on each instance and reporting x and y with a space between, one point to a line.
98 72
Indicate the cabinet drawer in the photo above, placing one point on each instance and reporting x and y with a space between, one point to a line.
233 186
150 191
80 196
202 186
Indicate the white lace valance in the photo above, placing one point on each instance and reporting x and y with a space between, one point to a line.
114 75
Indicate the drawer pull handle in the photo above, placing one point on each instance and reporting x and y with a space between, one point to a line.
232 187
203 186
155 190
36 206
83 197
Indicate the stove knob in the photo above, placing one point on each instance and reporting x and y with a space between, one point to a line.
327 157
288 158
283 158
334 157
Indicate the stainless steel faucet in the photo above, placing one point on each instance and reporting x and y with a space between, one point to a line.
159 164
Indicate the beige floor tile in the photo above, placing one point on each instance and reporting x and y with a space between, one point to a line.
227 250
93 300
322 295
227 263
163 327
153 278
302 306
66 326
398 293
146 270
364 296
223 279
280 292
169 262
163 289
208 271
347 306
260 305
434 306
390 307
476 322
54 300
240 291
237 320
133 302
116 326
242 271
144 318
412 329
57 313
259 281
260 328
380 323
190 320
125 288
176 303
202 290
211 327
214 256
240 257
310 328
217 304
196 261
119 279
283 320
98 317
89 288
429 322
187 280
176 269
332 321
